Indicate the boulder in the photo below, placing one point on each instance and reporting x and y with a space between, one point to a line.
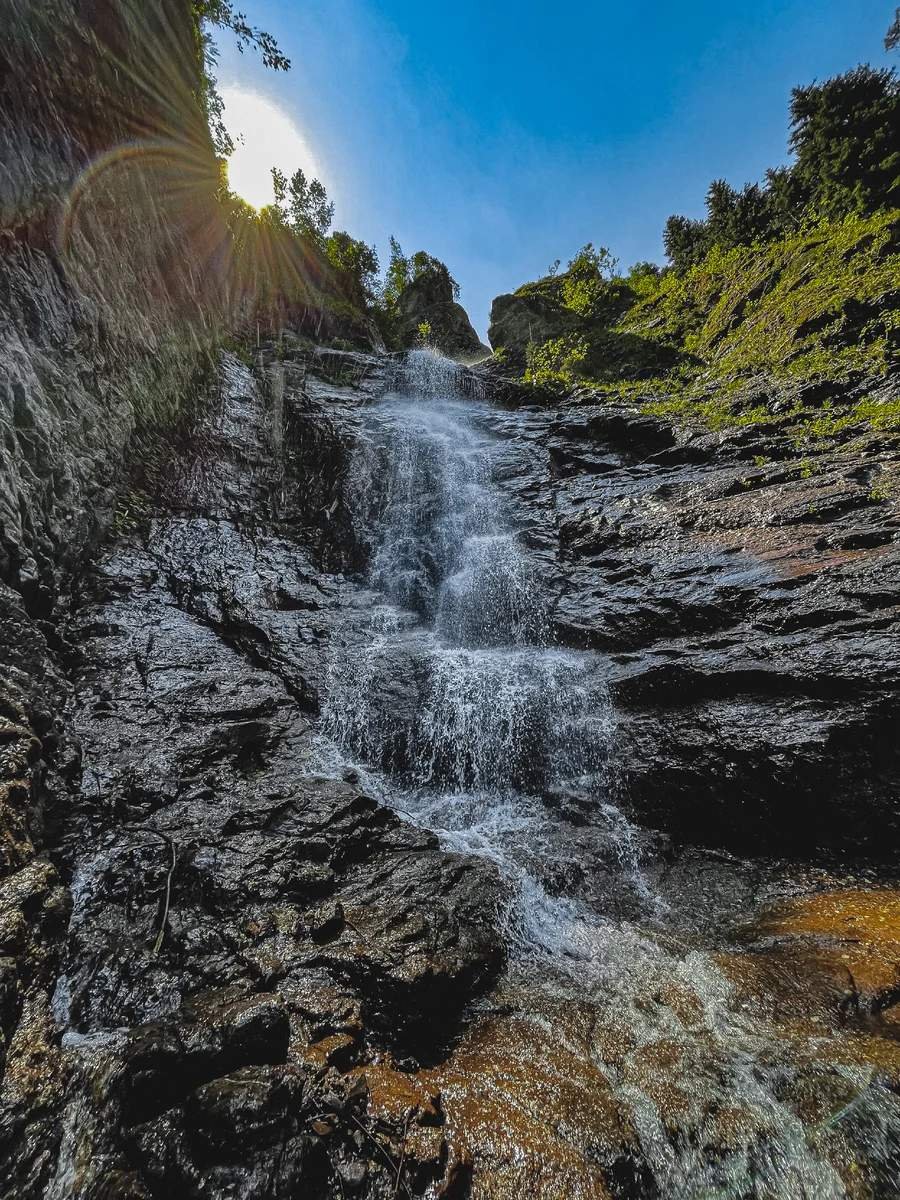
428 299
517 320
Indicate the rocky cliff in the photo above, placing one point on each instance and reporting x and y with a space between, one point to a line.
745 591
237 940
107 324
233 968
428 301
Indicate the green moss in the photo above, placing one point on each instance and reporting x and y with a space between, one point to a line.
823 304
885 486
240 347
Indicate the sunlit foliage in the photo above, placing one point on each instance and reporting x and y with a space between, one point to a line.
845 138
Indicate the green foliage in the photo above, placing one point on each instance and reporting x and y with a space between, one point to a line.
881 414
424 331
558 362
397 275
791 281
402 271
357 265
302 205
738 218
644 278
845 137
819 303
585 285
589 287
822 303
221 14
591 263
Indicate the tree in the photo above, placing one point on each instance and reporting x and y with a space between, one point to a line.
357 264
402 271
722 223
643 270
686 242
788 199
589 263
738 218
643 278
586 284
892 37
845 134
303 204
221 13
397 276
426 264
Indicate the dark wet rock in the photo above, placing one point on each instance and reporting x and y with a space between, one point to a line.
744 596
255 1125
240 922
38 764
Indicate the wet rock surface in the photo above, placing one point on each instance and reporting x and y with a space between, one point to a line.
745 594
230 907
227 967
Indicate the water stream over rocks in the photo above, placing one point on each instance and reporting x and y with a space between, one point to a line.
353 888
500 717
487 724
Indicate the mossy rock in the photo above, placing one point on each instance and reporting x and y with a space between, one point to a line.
520 320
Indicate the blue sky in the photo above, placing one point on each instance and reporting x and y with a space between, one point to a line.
501 136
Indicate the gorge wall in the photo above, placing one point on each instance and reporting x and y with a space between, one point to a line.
108 318
265 966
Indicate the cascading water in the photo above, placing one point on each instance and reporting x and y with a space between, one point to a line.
448 691
496 715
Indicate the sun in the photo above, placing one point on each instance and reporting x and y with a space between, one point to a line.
265 137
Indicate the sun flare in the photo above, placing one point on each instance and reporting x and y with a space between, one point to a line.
265 137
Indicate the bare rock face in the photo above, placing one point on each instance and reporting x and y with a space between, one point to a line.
517 321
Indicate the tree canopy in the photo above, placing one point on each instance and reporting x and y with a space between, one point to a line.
845 140
303 204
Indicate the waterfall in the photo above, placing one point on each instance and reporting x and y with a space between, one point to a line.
498 716
447 694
